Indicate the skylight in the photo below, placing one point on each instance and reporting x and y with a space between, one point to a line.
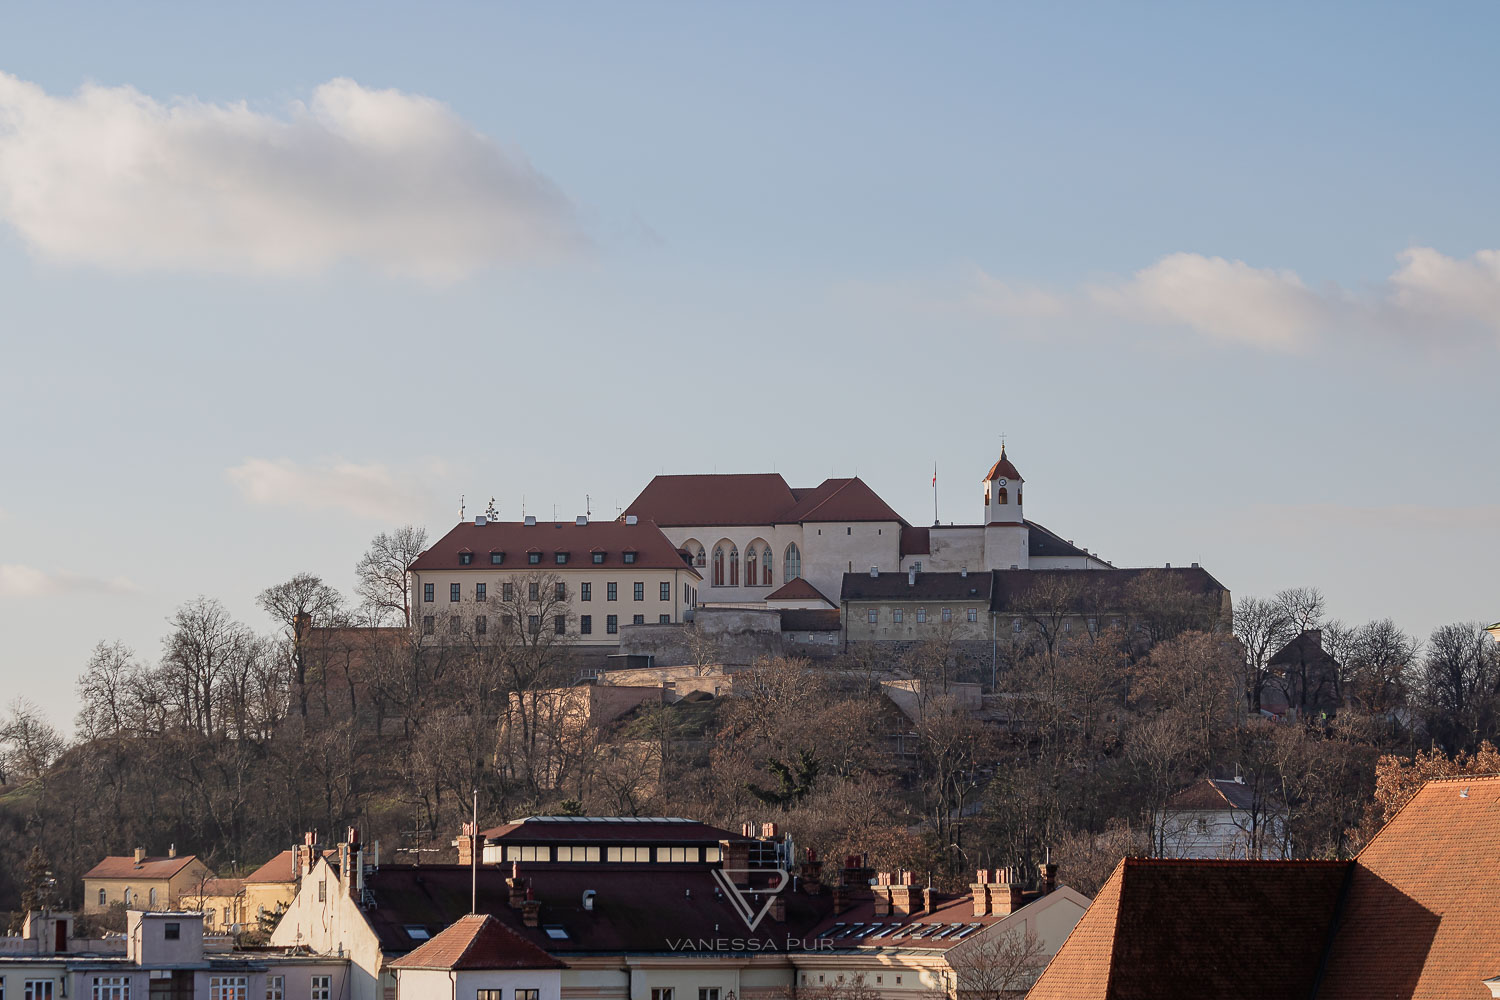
556 932
416 932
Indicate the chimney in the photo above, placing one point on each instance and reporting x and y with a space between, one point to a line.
303 858
354 872
929 902
840 898
517 886
1005 894
882 894
768 831
470 844
1048 873
581 520
778 908
812 874
903 895
140 855
735 854
171 850
530 520
980 887
531 910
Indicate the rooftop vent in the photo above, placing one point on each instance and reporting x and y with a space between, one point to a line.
874 572
630 518
479 520
531 520
588 898
911 577
1195 565
964 572
1014 566
581 520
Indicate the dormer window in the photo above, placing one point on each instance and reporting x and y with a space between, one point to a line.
629 556
496 558
561 557
534 558
465 558
598 558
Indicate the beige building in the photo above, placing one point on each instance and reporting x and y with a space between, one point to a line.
221 901
270 888
582 580
140 882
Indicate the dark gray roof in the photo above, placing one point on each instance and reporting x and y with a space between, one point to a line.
928 587
1042 542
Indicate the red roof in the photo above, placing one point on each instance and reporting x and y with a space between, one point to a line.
759 498
798 590
281 868
1213 793
125 867
515 539
1002 468
915 541
477 941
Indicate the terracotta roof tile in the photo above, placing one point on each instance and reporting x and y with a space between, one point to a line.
714 500
477 941
1002 467
1213 793
915 541
125 867
653 550
798 590
840 500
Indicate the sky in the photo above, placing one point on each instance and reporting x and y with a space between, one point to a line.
275 278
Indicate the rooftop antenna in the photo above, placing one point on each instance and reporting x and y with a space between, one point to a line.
554 512
587 506
523 506
474 859
460 506
934 492
492 513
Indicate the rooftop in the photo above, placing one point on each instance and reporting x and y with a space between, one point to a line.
511 540
150 868
477 941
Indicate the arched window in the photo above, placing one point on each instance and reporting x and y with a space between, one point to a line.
718 567
1003 496
1018 496
699 557
734 567
129 896
792 563
153 899
765 566
751 566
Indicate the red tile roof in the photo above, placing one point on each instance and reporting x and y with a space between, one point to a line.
477 941
759 498
218 887
281 868
858 925
515 538
1002 468
915 541
1213 793
798 590
1168 929
125 867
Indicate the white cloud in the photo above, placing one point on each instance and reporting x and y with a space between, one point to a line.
368 491
26 581
1430 296
112 177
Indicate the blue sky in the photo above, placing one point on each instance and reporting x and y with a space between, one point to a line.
1225 276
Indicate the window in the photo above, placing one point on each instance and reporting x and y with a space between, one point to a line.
322 988
638 592
664 592
227 987
663 619
921 615
791 563
598 558
427 629
734 567
534 624
638 619
111 988
481 592
38 989
559 624
560 591
489 995
1202 824
708 993
612 624
947 614
1093 624
533 558
566 852
171 931
1015 625
848 531
455 592
507 592
529 994
533 591
611 591
481 624
629 555
585 591
465 558
688 854
698 557
661 993
101 897
1002 496
561 557
718 576
1067 626
496 558
275 988
636 854
874 616
896 615
514 852
455 624
427 592
765 565
585 624
972 614
711 855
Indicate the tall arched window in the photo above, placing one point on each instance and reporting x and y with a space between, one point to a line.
734 567
1018 496
752 564
792 563
765 566
699 558
129 896
1002 496
718 567
153 899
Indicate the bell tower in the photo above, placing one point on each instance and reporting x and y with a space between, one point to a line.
1006 538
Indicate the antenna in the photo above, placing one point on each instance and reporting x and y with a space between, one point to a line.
587 506
474 859
460 506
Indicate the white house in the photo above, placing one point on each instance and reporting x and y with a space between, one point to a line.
476 958
1220 818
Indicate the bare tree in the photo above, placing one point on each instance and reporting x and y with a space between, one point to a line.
104 689
301 603
383 585
28 744
1262 627
996 964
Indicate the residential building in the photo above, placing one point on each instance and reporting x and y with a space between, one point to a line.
1221 818
162 956
581 580
220 900
1304 678
477 958
142 882
1408 917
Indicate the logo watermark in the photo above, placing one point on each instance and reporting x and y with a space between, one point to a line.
742 904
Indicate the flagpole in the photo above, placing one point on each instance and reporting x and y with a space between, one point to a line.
934 494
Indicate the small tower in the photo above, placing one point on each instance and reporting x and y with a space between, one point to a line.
1006 537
